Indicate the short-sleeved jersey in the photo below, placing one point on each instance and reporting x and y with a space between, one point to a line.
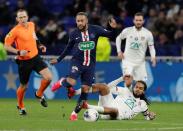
129 106
24 39
137 42
83 44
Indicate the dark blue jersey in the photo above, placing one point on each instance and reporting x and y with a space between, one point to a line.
83 44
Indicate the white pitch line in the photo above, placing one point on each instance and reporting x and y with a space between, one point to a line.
112 121
131 129
140 129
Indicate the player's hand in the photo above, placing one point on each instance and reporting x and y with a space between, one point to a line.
42 48
112 22
152 115
120 55
153 60
22 52
53 61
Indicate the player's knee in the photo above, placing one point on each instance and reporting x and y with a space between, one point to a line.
113 113
24 86
71 81
85 88
48 77
103 89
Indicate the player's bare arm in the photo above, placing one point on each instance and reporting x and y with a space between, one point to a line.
15 51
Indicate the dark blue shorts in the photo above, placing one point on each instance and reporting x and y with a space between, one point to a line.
85 73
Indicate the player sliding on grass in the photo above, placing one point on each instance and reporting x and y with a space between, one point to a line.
126 105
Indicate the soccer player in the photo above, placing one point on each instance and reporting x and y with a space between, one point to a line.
26 48
83 42
137 40
126 105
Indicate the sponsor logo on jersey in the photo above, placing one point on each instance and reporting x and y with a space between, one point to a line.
135 45
86 45
74 69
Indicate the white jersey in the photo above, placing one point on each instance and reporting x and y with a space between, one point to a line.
129 106
137 42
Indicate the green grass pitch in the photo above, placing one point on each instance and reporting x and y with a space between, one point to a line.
55 118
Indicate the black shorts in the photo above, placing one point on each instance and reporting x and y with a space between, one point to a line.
25 67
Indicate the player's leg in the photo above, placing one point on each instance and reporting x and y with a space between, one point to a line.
82 99
41 68
128 72
105 103
95 88
87 78
46 80
140 72
24 70
70 81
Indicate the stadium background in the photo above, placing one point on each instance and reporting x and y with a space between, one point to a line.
55 19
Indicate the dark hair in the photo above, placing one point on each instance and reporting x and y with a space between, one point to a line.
143 96
82 13
143 82
21 10
139 14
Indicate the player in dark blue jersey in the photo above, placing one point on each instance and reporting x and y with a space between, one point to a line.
82 43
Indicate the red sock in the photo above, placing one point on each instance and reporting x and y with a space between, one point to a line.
20 96
43 86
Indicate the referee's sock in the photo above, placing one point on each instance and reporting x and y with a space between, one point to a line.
20 97
42 88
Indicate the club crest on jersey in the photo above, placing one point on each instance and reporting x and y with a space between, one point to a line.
86 45
74 69
136 38
92 35
142 38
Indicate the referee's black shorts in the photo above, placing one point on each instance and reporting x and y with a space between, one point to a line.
25 67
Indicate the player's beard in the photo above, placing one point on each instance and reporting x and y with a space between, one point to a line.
83 28
135 95
138 27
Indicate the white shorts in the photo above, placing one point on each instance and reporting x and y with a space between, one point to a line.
138 71
109 101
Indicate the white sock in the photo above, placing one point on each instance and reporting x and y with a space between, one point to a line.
100 109
105 117
73 112
78 91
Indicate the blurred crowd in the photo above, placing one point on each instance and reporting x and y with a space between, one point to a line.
56 18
